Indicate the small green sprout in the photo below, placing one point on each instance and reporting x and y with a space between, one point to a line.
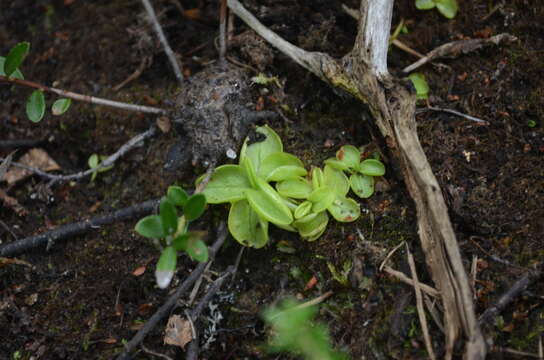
420 83
94 161
177 209
295 331
447 8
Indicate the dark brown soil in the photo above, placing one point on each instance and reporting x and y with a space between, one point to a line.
80 299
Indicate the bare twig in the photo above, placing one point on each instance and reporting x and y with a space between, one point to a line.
222 30
455 48
69 230
129 145
419 305
450 111
146 60
167 49
522 354
405 279
20 143
171 302
154 353
86 98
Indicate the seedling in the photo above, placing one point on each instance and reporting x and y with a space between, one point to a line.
448 8
170 228
35 105
94 161
296 332
362 173
422 88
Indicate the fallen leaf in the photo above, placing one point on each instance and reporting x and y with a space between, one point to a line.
36 158
139 271
311 283
164 124
109 341
178 332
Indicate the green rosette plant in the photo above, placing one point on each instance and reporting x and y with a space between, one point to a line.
170 228
362 173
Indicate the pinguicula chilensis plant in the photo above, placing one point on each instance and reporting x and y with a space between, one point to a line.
170 230
448 8
271 186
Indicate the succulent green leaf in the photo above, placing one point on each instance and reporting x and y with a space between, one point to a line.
303 209
422 88
349 155
448 8
295 188
362 185
17 74
247 165
372 167
166 267
180 242
321 198
15 57
269 204
60 106
337 164
258 151
35 106
246 226
227 184
336 180
169 217
93 161
281 166
194 207
177 195
150 227
425 4
197 249
344 209
312 226
317 178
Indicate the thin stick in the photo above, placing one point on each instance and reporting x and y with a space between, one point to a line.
172 300
457 113
405 279
21 143
146 60
129 145
389 255
455 48
66 231
419 305
86 98
167 49
222 30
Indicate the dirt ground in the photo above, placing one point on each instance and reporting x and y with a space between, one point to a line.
81 300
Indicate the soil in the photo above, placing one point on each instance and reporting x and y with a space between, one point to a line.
81 299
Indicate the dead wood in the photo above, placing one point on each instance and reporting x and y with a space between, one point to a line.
363 74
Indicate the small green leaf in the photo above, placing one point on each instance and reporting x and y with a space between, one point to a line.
349 155
177 195
61 106
258 151
362 185
344 209
169 217
247 165
321 198
15 57
180 242
166 267
337 164
422 88
246 227
35 106
93 161
425 4
303 209
194 207
281 166
295 188
269 204
448 8
312 226
150 227
197 249
317 178
372 167
336 180
17 74
228 184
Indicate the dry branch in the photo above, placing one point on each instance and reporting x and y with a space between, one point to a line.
361 73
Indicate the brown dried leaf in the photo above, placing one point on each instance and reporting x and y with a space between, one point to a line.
139 271
178 332
36 158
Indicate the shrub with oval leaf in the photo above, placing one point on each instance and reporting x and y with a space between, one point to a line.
170 228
